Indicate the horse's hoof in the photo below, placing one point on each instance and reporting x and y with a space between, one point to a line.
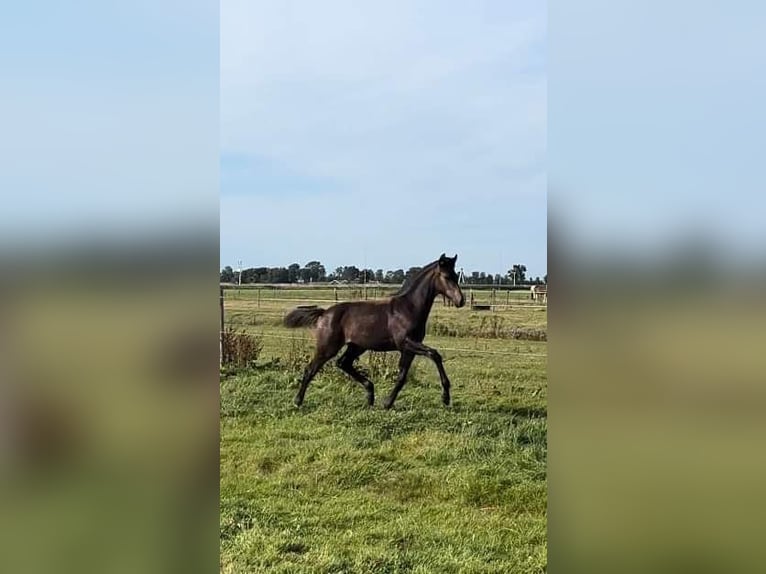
297 402
446 401
387 404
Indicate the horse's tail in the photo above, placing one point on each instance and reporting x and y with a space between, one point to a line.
302 318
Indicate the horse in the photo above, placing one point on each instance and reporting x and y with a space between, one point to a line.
538 292
396 323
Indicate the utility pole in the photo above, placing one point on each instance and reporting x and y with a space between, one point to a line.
239 272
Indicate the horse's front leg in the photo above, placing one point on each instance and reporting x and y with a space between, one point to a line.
420 349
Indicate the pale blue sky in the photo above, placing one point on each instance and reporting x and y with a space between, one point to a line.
109 115
110 121
384 133
657 123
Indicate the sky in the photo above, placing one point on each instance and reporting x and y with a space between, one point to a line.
109 115
383 134
391 135
657 125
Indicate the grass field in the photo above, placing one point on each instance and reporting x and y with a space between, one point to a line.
337 487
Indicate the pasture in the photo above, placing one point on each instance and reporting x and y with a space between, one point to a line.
337 487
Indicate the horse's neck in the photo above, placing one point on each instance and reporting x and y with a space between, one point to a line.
421 298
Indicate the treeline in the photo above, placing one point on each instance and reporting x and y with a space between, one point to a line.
315 272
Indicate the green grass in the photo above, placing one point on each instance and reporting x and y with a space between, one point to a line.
337 487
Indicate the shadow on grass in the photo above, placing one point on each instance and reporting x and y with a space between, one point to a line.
530 412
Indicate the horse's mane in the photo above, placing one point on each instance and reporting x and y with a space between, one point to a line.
413 280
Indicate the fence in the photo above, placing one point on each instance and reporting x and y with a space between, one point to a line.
452 349
478 297
369 285
493 295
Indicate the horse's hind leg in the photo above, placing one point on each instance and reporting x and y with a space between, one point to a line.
324 353
346 364
405 361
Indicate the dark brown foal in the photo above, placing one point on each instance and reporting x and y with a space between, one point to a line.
397 323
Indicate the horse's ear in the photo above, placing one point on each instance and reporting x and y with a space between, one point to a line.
442 259
454 259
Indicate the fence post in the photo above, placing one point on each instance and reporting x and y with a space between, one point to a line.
220 335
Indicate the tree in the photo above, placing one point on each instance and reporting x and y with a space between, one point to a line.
314 271
278 275
397 276
261 275
545 278
227 275
293 272
518 274
351 273
250 275
411 272
379 276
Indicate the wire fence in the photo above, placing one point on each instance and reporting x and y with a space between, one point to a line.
297 301
498 306
475 294
369 285
308 339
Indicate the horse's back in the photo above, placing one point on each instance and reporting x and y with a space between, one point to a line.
364 323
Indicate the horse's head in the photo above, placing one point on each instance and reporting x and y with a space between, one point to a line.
446 280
